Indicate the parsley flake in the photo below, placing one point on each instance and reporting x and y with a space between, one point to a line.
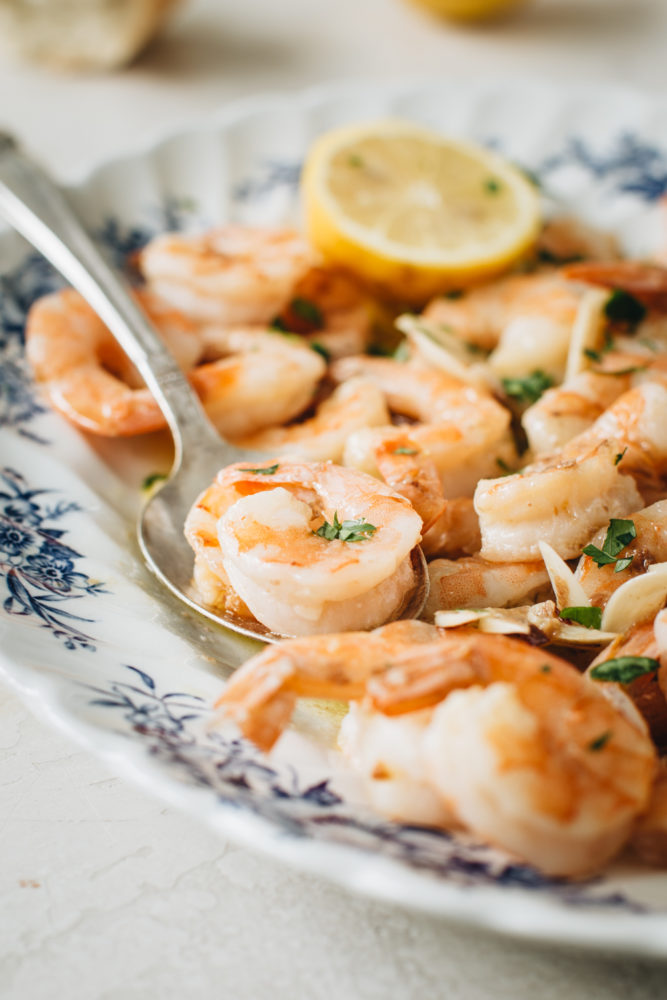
321 349
454 293
621 307
307 311
600 741
155 477
354 160
624 669
528 389
348 531
620 455
268 470
504 467
492 185
620 533
545 668
588 617
406 451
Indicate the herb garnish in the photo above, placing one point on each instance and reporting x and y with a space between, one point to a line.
593 355
504 467
492 185
454 293
624 669
630 370
620 455
354 160
307 310
620 533
588 617
349 531
621 307
545 668
151 480
268 470
528 389
600 741
406 451
320 349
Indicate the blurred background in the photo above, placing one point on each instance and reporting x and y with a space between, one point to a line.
147 66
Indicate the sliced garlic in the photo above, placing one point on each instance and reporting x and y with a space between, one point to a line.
586 330
443 349
636 600
567 589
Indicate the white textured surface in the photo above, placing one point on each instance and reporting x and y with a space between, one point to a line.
105 893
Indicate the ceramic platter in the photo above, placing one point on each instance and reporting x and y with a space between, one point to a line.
91 641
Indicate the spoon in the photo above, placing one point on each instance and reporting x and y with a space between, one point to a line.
34 206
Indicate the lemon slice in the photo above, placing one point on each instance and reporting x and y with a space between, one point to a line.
470 10
414 213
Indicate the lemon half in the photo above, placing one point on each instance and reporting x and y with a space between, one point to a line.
414 213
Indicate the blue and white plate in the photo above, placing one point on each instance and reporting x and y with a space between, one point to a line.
92 641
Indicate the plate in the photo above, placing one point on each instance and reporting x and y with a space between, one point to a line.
90 639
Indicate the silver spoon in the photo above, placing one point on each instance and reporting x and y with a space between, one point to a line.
33 206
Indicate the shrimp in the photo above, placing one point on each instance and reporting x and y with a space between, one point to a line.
462 433
455 532
508 739
646 282
88 378
564 497
524 320
473 582
355 404
561 499
330 310
307 547
648 547
232 275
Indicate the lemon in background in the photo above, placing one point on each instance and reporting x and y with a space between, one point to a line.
414 213
469 10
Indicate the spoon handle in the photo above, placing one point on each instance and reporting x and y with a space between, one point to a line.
34 206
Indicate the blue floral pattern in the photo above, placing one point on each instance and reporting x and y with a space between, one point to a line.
37 566
172 724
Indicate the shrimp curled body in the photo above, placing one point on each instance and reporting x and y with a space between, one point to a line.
258 534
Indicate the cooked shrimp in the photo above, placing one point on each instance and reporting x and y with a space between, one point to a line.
646 692
85 373
524 320
355 404
272 529
462 431
90 381
331 310
646 282
473 582
455 532
648 547
233 275
561 499
510 738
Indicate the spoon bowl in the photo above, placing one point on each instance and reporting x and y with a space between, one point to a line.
34 206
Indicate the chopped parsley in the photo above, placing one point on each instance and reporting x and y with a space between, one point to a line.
528 389
630 370
455 293
268 470
545 668
155 477
349 531
620 455
307 311
623 308
320 349
354 160
593 355
620 533
492 185
588 617
600 741
406 451
624 669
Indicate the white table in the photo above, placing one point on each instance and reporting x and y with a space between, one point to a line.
106 893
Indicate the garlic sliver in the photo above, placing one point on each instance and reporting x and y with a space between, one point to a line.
569 592
636 600
586 330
